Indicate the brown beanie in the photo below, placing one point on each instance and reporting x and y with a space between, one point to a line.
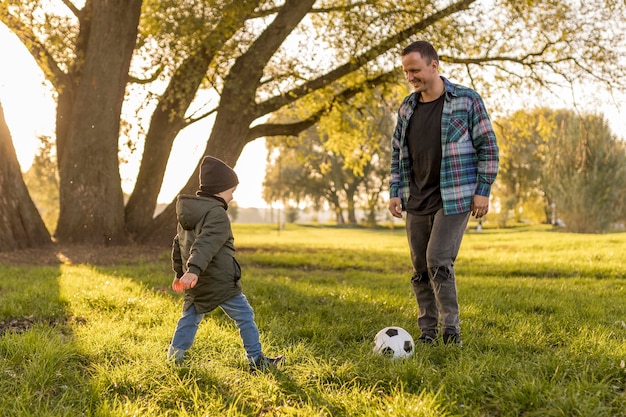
216 176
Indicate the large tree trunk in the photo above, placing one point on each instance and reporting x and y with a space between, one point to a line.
167 121
351 207
91 201
237 108
163 227
169 116
21 225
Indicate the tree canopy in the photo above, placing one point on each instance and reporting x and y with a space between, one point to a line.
342 161
558 160
240 61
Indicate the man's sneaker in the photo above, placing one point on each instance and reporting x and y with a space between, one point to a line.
263 363
452 339
427 339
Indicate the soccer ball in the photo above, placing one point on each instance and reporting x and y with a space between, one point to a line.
394 342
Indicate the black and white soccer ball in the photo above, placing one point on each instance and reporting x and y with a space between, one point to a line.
394 342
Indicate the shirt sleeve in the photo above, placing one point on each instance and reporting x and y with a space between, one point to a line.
486 146
394 183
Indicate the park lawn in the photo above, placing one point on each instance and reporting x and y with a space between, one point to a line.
543 320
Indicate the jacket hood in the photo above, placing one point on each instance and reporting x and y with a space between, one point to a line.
191 209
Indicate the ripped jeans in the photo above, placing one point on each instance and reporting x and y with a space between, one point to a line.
434 241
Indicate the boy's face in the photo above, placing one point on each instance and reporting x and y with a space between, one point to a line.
228 194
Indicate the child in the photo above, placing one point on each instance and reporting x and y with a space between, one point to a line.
203 258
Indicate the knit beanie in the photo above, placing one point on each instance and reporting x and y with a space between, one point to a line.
216 176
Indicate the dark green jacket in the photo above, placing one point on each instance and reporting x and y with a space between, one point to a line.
204 245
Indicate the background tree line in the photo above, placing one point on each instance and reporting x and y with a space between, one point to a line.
342 162
558 164
555 165
170 64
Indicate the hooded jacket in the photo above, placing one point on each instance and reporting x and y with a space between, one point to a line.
204 245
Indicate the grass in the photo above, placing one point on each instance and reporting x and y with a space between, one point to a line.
543 320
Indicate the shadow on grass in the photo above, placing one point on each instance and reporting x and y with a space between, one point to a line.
42 368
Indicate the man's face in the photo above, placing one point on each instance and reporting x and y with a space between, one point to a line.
418 73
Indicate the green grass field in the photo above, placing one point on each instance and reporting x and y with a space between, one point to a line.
543 320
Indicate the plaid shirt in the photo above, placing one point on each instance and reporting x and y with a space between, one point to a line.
469 152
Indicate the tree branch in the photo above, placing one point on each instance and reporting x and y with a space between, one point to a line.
293 129
343 8
253 61
40 54
75 10
283 129
153 77
291 96
192 120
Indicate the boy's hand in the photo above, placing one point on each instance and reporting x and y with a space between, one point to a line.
177 285
188 280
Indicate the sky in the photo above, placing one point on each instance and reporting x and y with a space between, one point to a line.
29 110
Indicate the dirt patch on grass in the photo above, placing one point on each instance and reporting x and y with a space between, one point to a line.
56 254
22 324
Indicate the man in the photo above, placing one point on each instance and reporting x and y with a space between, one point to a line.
444 160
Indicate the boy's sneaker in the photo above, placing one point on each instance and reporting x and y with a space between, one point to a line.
263 363
177 356
452 339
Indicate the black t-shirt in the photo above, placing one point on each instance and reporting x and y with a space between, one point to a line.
424 140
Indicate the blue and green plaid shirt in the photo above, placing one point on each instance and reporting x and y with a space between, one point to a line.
469 151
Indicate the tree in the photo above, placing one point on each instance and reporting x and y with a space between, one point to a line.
523 141
587 165
359 130
20 223
342 161
87 62
565 159
371 193
257 57
293 174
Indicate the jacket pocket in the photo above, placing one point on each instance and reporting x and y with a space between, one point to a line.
457 131
237 269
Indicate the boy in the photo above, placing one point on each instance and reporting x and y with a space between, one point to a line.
203 258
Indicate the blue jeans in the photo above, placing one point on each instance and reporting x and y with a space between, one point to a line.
434 241
237 308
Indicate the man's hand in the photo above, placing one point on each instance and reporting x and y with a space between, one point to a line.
480 206
395 207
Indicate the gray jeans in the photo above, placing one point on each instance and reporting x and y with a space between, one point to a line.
434 241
